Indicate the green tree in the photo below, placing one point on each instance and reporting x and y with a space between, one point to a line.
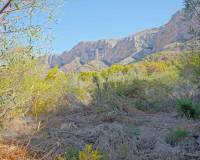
18 22
20 36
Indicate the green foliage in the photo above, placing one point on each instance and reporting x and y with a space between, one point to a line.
86 76
72 153
124 151
15 13
149 85
26 87
191 66
146 95
89 154
189 108
176 136
52 74
41 92
133 130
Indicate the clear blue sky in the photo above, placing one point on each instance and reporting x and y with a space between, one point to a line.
81 20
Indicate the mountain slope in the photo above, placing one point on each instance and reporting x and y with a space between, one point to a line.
168 37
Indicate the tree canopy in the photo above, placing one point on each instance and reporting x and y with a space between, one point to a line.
19 22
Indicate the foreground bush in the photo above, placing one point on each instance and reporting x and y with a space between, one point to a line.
189 108
88 153
72 153
176 136
28 87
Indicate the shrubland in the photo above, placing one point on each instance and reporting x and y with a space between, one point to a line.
30 88
162 82
152 85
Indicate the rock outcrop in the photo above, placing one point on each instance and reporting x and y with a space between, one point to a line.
169 37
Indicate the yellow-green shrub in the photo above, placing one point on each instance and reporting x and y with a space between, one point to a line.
29 87
89 154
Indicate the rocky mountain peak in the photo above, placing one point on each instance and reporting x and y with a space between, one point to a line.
111 51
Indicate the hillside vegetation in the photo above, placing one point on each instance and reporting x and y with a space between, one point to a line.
90 106
164 82
153 84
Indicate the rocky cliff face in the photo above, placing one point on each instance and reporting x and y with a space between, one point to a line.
125 50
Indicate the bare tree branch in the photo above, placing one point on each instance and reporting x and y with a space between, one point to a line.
5 6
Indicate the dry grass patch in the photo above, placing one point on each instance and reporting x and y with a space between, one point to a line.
12 152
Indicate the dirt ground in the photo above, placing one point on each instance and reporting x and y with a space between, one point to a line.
123 136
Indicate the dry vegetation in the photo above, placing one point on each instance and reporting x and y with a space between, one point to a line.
119 113
13 152
29 89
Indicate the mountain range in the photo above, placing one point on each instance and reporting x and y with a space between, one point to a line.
95 55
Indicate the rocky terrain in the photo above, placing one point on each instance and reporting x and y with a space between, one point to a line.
89 55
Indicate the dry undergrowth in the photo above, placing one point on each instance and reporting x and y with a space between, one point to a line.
13 152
